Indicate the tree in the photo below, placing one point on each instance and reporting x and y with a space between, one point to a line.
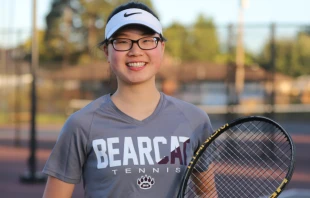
74 27
176 35
202 40
44 54
196 43
292 55
55 37
303 50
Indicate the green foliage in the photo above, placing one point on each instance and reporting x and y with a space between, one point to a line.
176 35
75 27
198 43
204 41
44 53
303 50
292 55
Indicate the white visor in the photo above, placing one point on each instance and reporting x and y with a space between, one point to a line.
132 16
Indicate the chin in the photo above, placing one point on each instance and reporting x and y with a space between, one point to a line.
137 81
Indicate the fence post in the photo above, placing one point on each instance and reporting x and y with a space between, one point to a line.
273 68
31 176
230 88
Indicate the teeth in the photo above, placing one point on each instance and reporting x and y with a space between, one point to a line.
137 64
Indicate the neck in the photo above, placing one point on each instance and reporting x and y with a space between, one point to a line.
138 95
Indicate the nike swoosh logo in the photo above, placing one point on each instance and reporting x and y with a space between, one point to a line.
127 15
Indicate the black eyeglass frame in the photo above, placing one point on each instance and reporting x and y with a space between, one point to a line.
158 39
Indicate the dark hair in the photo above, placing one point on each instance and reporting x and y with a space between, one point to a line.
129 5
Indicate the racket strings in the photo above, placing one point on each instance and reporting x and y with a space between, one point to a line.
282 157
227 186
203 181
198 187
229 169
272 142
244 163
225 166
225 191
201 191
248 161
265 146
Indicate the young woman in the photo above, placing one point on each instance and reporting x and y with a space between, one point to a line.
137 141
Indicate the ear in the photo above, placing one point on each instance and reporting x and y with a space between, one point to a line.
106 52
163 45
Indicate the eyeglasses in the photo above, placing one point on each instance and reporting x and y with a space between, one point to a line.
145 43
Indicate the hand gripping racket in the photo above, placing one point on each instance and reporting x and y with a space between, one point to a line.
250 157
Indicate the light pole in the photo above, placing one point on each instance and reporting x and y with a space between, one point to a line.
32 176
239 78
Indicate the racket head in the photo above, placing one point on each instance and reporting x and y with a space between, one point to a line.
250 157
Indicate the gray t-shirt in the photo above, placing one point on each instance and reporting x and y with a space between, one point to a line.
119 156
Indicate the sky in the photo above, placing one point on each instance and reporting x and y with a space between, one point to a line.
226 11
16 14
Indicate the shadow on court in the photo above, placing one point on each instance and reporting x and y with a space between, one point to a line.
13 162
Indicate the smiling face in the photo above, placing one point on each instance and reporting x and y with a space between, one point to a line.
135 66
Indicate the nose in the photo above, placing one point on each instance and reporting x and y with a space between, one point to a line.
135 50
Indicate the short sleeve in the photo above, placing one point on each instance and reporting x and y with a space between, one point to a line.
199 121
69 153
203 131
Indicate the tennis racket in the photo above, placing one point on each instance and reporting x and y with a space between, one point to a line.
250 157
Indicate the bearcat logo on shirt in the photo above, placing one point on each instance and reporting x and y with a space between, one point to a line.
145 182
116 151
